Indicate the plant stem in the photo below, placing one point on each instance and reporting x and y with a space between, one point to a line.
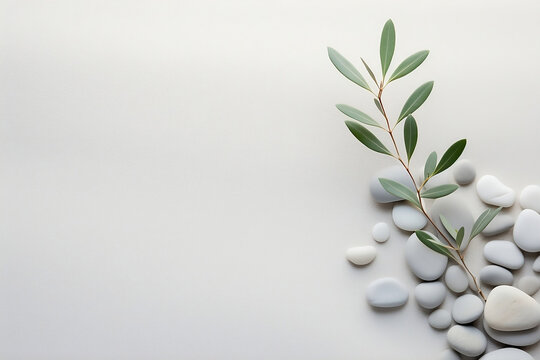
461 261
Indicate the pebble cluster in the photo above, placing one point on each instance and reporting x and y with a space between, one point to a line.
510 315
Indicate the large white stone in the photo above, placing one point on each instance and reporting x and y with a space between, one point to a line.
464 172
530 198
440 319
510 309
396 173
467 340
456 212
514 338
493 192
507 354
386 293
527 231
495 275
504 253
361 255
429 295
408 218
425 263
500 224
529 284
380 232
456 279
467 308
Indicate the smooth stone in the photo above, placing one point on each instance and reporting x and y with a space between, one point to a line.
467 340
361 255
429 295
510 309
456 213
437 180
507 354
448 354
493 192
527 231
504 253
498 225
530 198
386 293
467 308
425 263
380 232
408 218
514 338
529 284
536 264
456 279
396 173
464 172
440 319
495 275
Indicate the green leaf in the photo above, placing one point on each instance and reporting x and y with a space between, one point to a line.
433 244
459 236
378 105
388 44
448 226
366 137
450 156
483 221
410 132
439 191
399 190
369 71
347 69
416 100
357 115
431 163
409 64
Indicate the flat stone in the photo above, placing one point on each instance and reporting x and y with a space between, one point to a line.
529 284
425 263
500 224
504 253
536 264
456 213
530 198
440 319
396 173
464 172
361 255
514 338
430 295
507 354
467 340
467 308
387 293
510 309
495 275
408 218
456 279
493 192
380 232
527 231
448 354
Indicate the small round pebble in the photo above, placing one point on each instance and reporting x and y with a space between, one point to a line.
380 232
361 255
529 284
387 293
467 308
495 275
456 279
514 338
536 264
429 295
440 319
500 224
504 253
467 340
530 198
464 172
507 354
448 354
408 218
425 263
493 192
527 231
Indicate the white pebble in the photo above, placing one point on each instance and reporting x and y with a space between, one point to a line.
530 198
440 319
510 309
493 192
527 231
456 279
504 253
495 275
380 232
467 340
467 308
361 255
429 295
408 218
498 225
464 172
507 354
529 284
425 263
386 293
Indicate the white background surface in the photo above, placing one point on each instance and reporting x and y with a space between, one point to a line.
176 183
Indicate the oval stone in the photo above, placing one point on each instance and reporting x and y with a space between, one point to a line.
530 198
464 172
456 279
493 192
529 284
440 319
527 231
430 295
510 309
387 293
408 218
514 338
504 253
467 340
467 308
425 263
396 173
507 354
380 232
500 224
361 255
495 275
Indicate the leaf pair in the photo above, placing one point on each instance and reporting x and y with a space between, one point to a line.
433 244
479 225
432 168
457 235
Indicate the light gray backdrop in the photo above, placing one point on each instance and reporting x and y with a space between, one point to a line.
177 184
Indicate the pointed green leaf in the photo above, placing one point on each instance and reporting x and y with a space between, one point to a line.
388 44
431 163
357 115
347 69
416 100
451 230
439 191
459 236
483 221
399 190
450 156
409 64
410 132
433 244
366 137
378 105
371 74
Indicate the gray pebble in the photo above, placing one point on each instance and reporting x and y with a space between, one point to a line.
387 293
529 284
396 173
467 308
504 253
425 263
514 338
440 319
499 225
380 232
456 279
536 264
467 340
408 218
464 172
430 295
495 275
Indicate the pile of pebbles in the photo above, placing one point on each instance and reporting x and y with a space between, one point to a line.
510 316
